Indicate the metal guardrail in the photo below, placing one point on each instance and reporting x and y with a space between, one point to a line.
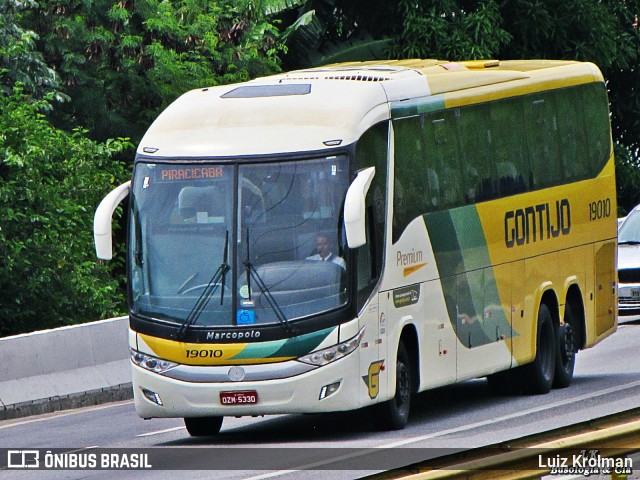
601 451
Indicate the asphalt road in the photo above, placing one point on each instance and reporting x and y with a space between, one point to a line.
467 415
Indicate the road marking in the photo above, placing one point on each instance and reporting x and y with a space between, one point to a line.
65 413
158 432
523 413
370 450
275 474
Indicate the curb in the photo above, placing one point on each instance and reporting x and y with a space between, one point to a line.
115 393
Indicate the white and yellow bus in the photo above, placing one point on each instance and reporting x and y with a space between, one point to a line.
467 211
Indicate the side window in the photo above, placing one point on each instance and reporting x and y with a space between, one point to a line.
427 167
511 170
474 135
443 158
573 141
596 113
372 151
542 129
416 188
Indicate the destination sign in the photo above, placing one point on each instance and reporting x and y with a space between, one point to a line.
171 174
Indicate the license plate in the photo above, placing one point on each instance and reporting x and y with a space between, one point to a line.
244 397
635 292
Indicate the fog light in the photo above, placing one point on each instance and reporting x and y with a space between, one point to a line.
152 396
329 389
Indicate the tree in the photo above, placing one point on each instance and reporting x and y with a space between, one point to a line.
123 62
19 59
50 183
319 32
451 29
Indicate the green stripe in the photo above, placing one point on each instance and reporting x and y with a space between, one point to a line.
417 106
259 350
470 234
298 346
292 347
466 275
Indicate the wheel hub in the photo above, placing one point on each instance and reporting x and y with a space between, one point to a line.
567 344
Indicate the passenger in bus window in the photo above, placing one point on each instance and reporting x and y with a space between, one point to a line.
325 253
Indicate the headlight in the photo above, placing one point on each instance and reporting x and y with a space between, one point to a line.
331 354
153 364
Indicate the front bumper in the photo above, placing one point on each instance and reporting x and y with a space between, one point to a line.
295 394
629 301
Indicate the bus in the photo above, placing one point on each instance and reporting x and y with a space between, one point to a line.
467 210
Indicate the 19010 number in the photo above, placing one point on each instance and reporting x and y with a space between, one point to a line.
204 353
600 209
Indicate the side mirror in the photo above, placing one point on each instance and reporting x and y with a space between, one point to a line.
102 220
354 208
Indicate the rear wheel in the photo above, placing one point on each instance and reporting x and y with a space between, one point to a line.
537 377
394 414
565 350
203 426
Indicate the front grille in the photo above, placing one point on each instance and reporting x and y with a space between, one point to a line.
628 312
629 275
629 301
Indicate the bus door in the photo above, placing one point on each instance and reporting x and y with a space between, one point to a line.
419 307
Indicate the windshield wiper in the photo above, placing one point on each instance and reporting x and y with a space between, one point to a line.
629 242
253 274
217 279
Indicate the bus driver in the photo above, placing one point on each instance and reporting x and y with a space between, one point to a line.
323 245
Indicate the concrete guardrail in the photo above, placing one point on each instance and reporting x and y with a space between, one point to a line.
63 368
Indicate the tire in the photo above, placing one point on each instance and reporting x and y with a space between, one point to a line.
565 350
537 377
394 414
203 426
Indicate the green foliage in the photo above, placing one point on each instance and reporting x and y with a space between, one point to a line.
326 31
567 29
627 179
19 59
50 183
124 62
449 30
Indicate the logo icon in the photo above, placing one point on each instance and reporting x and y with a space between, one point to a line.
372 379
23 459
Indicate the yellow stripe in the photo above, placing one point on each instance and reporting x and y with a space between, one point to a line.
413 268
539 81
200 354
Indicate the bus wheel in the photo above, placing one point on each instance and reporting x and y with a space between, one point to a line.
203 426
538 376
394 414
565 351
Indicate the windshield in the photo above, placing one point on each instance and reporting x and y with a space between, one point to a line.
630 230
248 244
